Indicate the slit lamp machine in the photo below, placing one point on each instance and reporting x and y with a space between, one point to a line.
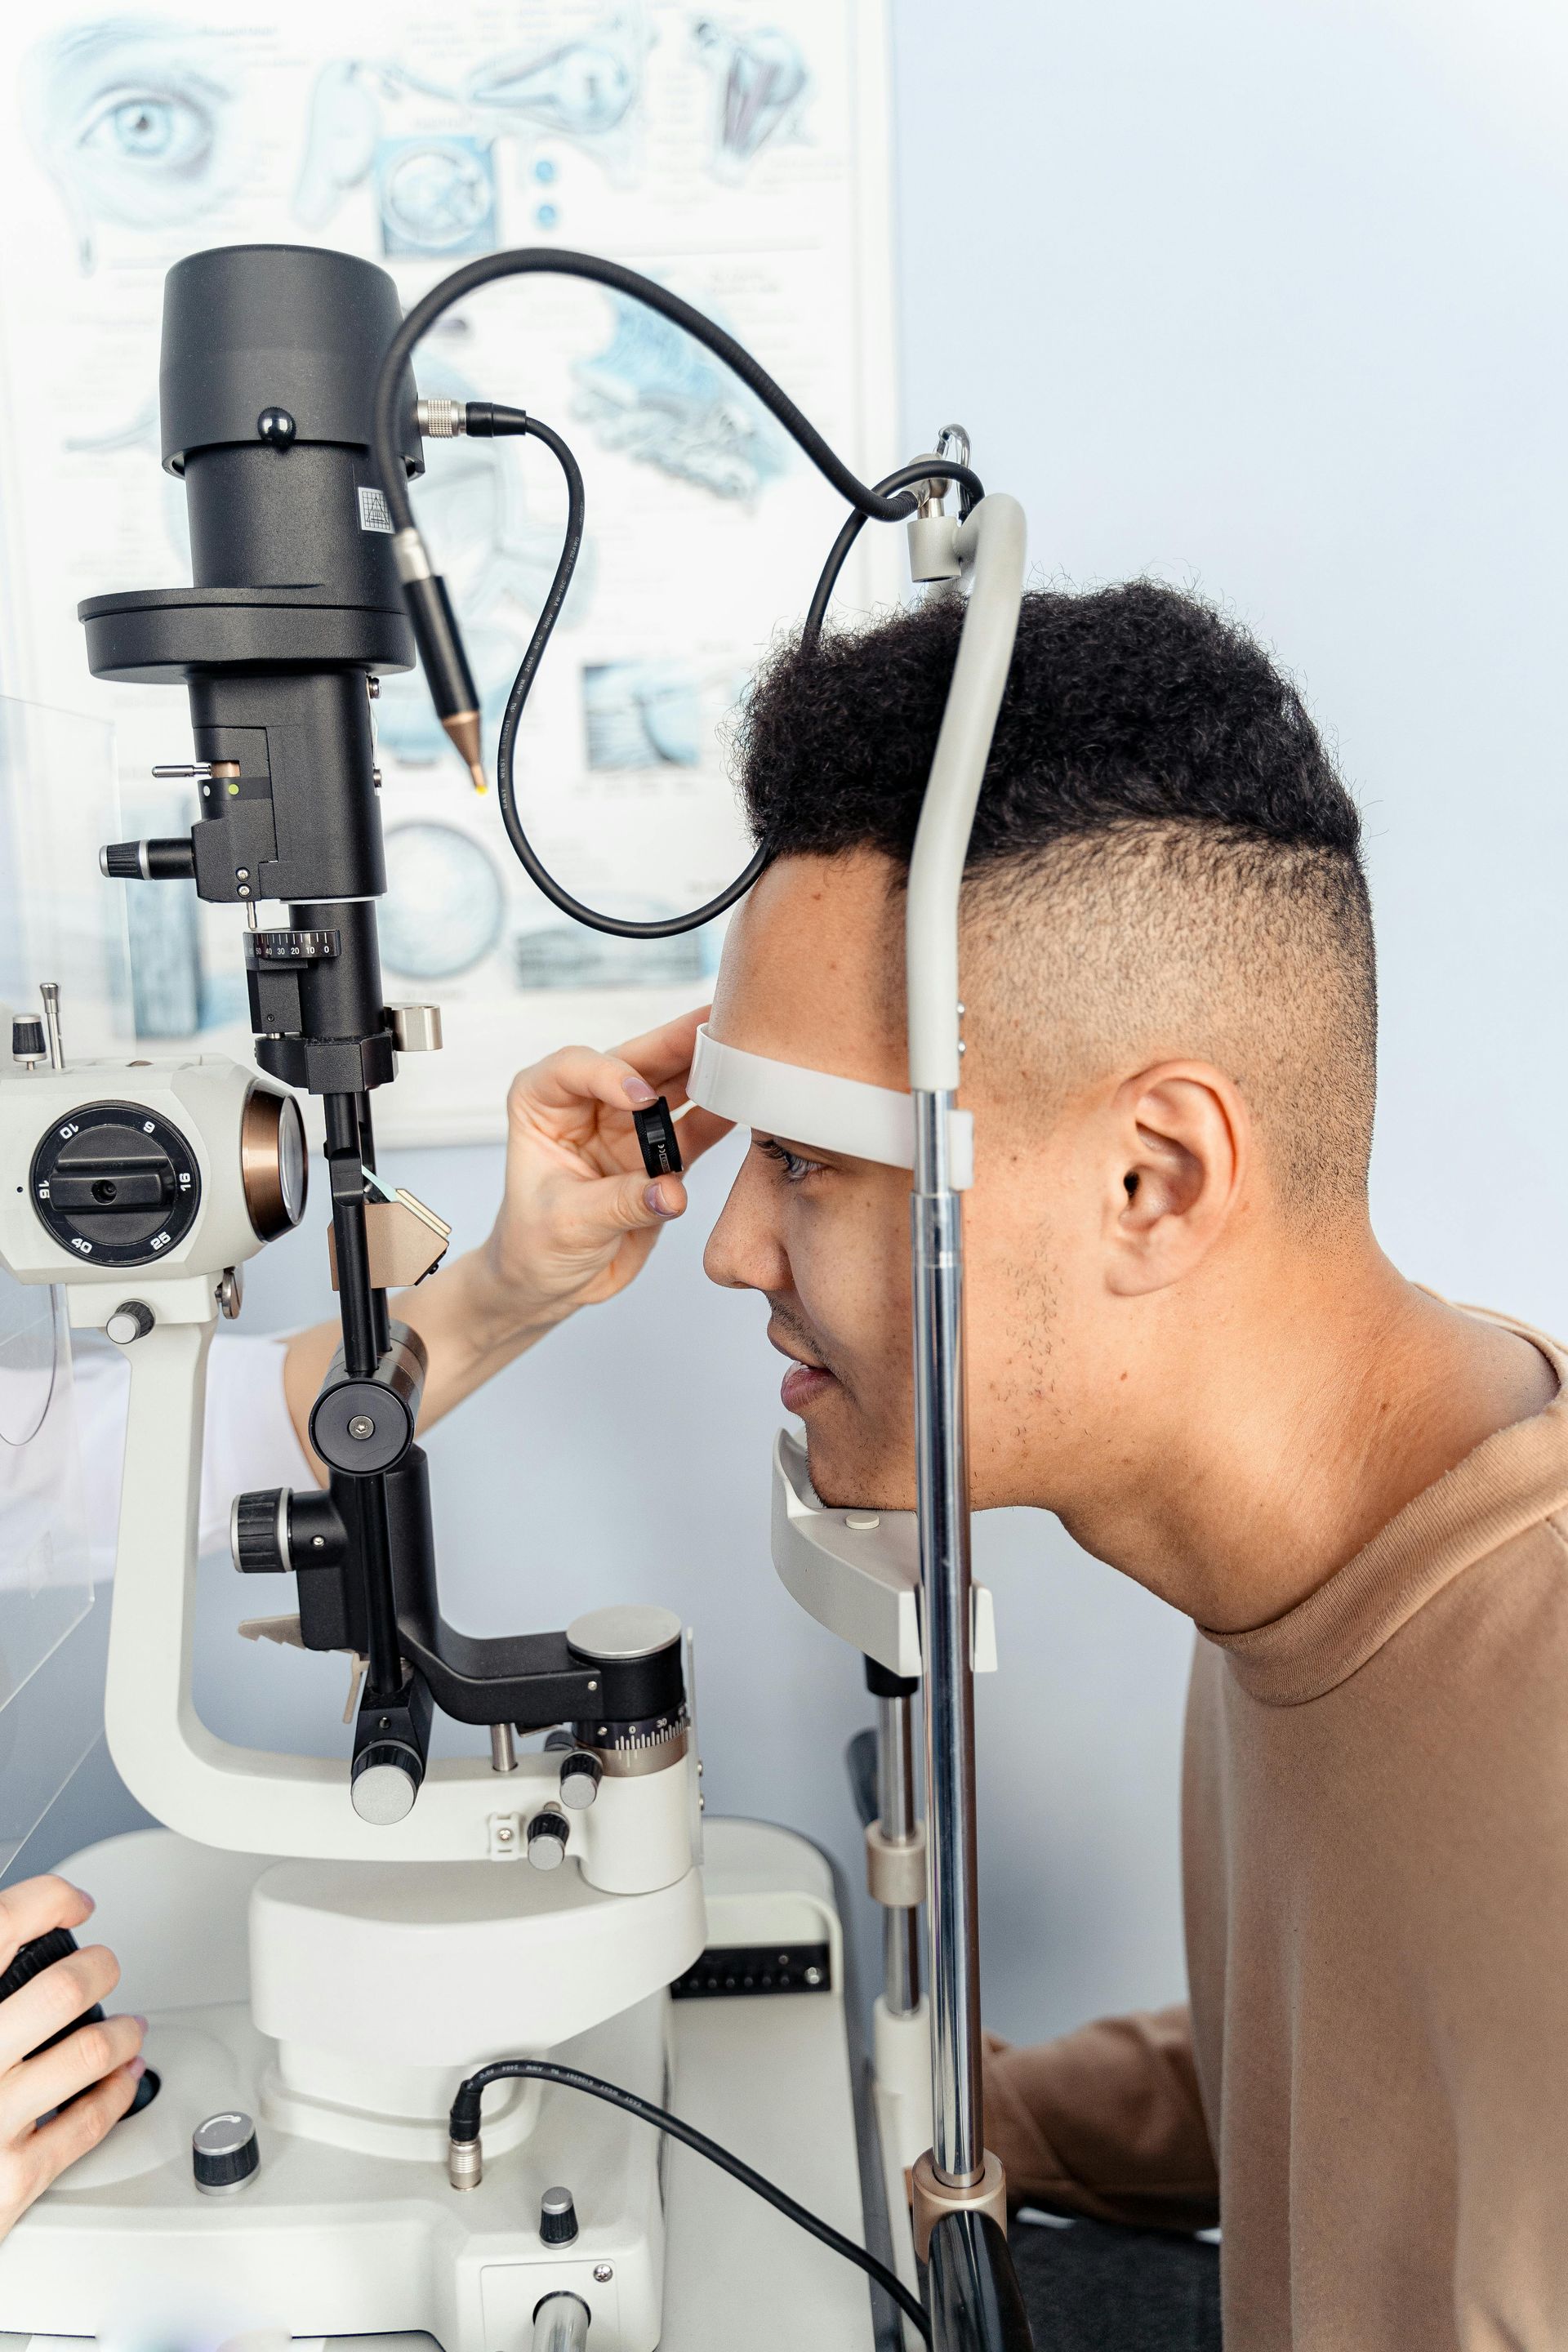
463 2046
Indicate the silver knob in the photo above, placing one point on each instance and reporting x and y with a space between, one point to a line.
580 1777
130 1320
547 1836
416 1028
223 2154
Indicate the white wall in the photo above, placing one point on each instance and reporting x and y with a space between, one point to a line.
1266 301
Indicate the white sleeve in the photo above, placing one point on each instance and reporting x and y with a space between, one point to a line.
248 1439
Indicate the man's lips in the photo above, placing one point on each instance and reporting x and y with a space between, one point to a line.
804 1381
802 1385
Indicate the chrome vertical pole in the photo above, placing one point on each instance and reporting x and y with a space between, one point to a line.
958 2145
989 546
896 1818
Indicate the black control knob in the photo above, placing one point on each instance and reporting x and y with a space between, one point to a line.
259 1531
149 861
557 2217
547 1836
385 1781
115 1183
31 1961
223 2154
28 1040
580 1777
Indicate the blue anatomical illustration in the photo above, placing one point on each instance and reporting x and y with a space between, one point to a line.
139 122
642 714
435 186
658 396
445 901
760 86
581 89
564 955
436 194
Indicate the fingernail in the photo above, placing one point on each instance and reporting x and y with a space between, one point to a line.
637 1090
139 2020
654 1199
138 2068
83 1895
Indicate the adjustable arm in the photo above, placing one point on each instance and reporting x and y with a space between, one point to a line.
636 1836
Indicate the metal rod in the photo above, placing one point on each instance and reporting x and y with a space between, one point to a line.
379 1315
958 2147
355 1305
503 1748
49 989
385 1675
560 2324
895 1815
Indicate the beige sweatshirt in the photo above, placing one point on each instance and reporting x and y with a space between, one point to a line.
1375 1839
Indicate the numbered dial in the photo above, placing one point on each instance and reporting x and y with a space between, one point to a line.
116 1185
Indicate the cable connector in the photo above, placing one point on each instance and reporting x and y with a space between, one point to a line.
465 2162
446 665
441 420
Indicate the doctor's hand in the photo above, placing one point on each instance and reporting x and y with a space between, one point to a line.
580 1213
578 1217
96 2068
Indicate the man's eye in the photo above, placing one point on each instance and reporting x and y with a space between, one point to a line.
794 1166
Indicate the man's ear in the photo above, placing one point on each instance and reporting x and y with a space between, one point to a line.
1180 1140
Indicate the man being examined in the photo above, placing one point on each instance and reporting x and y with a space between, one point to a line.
1186 1341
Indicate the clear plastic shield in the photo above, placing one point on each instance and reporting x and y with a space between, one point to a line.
59 920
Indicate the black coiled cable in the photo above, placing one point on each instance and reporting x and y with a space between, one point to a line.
889 500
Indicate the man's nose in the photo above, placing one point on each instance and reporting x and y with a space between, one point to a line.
745 1250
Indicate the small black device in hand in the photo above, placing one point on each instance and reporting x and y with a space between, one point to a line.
32 1959
660 1144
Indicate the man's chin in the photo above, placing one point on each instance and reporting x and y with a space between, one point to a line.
849 1476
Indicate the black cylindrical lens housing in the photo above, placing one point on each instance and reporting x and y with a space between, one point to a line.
266 389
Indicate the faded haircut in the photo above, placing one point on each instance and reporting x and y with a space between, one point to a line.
1165 859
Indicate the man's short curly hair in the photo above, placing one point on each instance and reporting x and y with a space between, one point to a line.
1157 788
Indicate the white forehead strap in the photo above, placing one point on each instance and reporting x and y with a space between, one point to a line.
810 1107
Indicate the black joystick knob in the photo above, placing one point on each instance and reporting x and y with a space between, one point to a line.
557 2217
223 2154
28 1040
31 1961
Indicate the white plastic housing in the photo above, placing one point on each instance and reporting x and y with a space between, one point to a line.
858 1573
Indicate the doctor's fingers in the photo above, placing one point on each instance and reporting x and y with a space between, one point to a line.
596 1215
576 1079
33 1907
56 1997
27 2168
664 1055
42 2084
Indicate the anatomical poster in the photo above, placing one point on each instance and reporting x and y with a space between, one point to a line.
740 158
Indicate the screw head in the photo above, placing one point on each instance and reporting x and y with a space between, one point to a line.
276 427
603 2273
361 1425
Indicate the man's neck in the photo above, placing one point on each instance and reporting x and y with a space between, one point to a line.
1337 1393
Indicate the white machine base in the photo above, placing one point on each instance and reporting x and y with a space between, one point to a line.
325 2241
